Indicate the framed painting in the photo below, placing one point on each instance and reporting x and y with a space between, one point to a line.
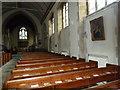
97 29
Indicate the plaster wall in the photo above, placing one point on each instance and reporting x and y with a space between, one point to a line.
103 51
74 29
118 33
67 41
82 16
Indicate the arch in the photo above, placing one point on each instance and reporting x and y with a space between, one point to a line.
10 14
6 17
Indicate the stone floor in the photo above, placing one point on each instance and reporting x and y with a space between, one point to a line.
6 69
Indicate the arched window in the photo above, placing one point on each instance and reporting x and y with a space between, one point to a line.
23 33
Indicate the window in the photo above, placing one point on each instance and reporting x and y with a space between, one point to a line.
51 26
94 5
53 30
23 33
60 17
91 4
65 15
100 4
110 1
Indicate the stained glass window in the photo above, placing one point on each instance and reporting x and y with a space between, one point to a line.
23 33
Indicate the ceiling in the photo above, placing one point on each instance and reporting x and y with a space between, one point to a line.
39 9
21 20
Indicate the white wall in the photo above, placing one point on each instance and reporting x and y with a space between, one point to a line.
119 34
104 51
64 41
52 44
74 28
0 24
82 15
54 38
68 40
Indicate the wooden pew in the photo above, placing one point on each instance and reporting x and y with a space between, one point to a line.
39 56
1 59
51 63
66 80
111 65
43 60
112 84
18 74
5 57
9 56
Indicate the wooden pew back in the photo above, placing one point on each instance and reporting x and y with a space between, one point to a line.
52 63
5 57
112 84
17 74
79 78
43 60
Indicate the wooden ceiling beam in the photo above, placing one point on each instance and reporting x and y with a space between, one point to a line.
47 11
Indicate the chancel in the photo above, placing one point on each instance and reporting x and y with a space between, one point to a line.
60 45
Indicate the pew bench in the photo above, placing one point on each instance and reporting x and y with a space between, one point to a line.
45 64
33 56
66 80
112 84
40 58
18 74
43 60
5 57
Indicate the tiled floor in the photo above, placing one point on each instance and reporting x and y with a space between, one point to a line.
6 70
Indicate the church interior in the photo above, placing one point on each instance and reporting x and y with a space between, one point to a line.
60 45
